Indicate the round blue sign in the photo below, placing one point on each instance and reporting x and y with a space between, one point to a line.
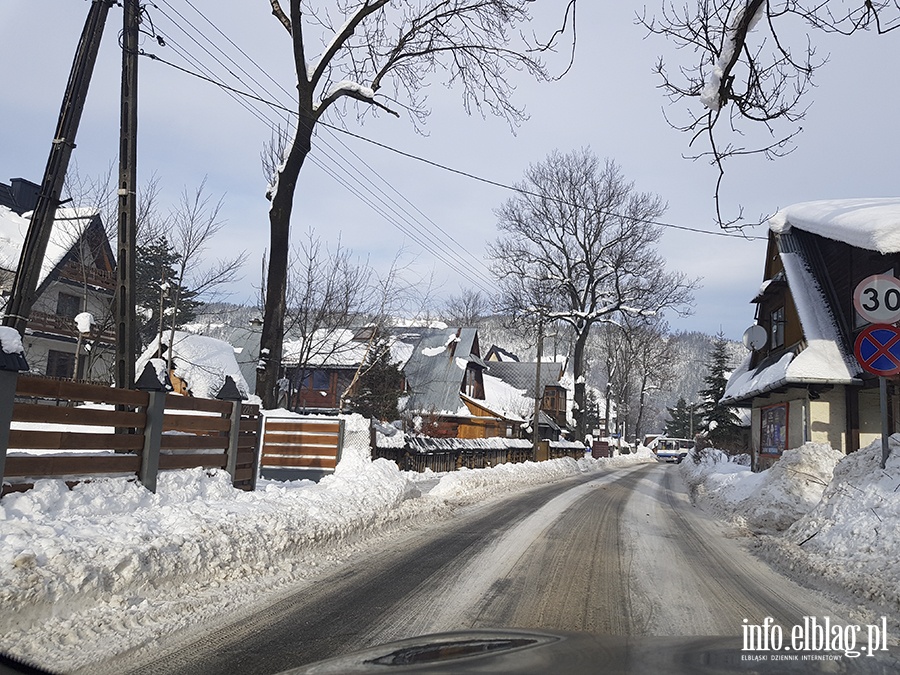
877 350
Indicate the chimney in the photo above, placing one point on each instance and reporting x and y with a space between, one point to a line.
25 194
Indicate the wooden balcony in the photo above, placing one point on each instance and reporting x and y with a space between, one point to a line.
89 275
65 326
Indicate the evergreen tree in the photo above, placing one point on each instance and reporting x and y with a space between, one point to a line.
719 421
155 287
680 423
380 384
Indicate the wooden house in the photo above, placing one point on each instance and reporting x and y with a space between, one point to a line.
801 380
446 379
554 395
78 276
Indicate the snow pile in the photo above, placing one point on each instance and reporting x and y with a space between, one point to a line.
109 567
769 501
202 362
84 321
850 537
11 341
109 556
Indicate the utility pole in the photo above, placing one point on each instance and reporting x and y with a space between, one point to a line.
538 394
126 328
35 247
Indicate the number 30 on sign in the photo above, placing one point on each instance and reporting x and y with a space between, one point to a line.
877 299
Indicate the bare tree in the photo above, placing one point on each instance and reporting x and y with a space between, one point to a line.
193 225
369 45
749 68
391 293
637 357
327 291
466 309
89 196
330 292
580 238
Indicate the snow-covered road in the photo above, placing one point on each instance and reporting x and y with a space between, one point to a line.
622 553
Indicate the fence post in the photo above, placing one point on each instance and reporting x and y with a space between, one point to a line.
258 449
8 380
233 436
11 363
230 392
156 409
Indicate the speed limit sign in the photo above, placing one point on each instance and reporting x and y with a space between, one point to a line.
877 299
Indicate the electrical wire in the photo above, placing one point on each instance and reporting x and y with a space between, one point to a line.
424 235
419 234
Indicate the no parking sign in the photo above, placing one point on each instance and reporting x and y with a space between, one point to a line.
878 350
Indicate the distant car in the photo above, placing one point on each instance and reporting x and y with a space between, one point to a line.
671 450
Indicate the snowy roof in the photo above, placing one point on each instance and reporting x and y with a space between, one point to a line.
202 362
825 358
871 224
523 374
509 401
436 369
337 348
68 227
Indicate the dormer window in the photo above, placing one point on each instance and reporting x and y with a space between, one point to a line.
777 331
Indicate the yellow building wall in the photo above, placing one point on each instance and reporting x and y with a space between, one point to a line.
869 416
828 419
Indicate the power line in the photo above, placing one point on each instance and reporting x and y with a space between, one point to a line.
408 155
416 234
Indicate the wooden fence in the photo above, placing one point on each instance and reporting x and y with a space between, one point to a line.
445 454
301 443
122 432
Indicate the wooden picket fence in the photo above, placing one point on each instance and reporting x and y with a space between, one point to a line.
301 443
122 432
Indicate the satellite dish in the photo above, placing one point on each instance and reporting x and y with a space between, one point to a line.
755 337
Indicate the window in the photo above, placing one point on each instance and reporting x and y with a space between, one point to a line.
470 386
317 380
550 399
68 306
60 364
777 333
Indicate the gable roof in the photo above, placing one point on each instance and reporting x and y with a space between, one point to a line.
826 357
436 368
69 227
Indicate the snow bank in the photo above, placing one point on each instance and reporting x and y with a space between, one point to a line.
109 567
850 538
108 557
468 485
769 501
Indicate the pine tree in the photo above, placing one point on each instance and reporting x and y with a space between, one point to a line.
680 423
719 421
154 271
380 384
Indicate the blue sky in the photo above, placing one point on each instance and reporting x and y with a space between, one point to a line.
610 101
